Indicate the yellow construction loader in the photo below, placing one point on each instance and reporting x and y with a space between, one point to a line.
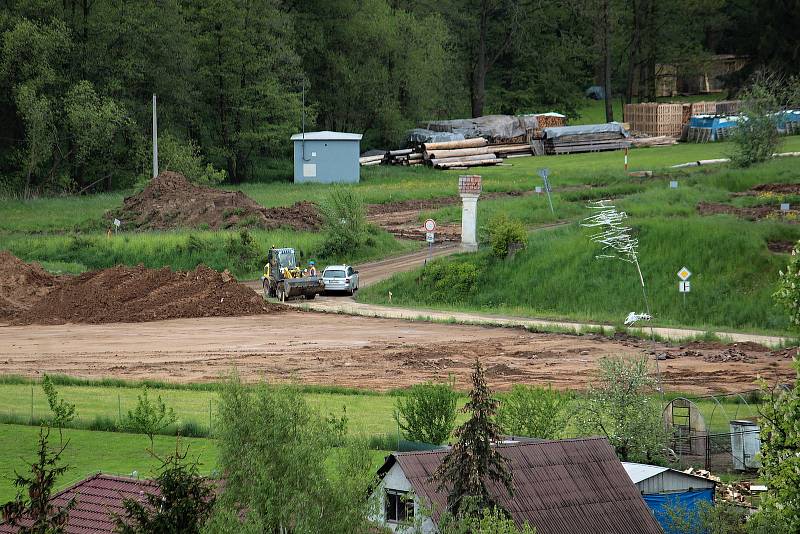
284 279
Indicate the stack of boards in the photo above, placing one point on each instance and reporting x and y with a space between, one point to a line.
585 142
475 152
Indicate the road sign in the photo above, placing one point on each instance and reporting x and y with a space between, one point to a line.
117 223
673 184
538 189
684 286
430 225
429 237
784 207
684 274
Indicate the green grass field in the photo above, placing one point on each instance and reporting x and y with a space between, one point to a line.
90 452
369 415
558 276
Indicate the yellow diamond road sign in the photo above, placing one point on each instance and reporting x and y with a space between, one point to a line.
684 274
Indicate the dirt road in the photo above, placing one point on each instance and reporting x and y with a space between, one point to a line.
361 352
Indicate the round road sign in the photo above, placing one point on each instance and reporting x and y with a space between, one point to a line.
430 225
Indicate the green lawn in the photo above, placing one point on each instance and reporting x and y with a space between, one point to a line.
90 452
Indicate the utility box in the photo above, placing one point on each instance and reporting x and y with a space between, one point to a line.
326 157
745 445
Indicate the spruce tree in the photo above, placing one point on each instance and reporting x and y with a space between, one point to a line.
473 459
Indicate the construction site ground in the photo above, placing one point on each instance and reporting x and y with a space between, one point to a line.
367 352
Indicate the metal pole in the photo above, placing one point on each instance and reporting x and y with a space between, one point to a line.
549 200
155 139
626 160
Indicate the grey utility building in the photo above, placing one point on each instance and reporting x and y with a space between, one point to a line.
326 157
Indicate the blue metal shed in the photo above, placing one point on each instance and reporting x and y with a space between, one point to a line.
663 488
326 157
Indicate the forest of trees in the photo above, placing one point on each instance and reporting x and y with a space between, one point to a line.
78 75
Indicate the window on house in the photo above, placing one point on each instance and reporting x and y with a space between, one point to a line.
399 506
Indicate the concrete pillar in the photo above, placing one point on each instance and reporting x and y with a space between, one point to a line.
469 222
469 187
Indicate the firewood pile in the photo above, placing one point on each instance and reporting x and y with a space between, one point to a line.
737 493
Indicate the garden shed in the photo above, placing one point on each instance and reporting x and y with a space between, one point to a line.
326 157
662 488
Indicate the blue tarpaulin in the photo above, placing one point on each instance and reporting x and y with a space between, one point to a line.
684 500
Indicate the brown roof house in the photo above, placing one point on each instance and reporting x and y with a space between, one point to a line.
97 499
571 486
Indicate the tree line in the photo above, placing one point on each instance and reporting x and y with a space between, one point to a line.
232 76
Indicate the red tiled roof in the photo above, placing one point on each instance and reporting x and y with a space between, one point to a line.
569 486
97 498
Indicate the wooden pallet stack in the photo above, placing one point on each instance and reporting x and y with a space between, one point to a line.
655 119
728 107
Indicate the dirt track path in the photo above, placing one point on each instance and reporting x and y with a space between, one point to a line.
360 352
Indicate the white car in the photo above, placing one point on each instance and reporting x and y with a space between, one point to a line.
340 278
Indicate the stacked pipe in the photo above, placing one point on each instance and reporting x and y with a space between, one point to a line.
473 152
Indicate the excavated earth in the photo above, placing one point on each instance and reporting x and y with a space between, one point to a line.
120 294
22 285
753 213
171 201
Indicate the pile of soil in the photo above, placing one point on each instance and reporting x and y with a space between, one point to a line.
21 285
784 189
781 246
729 355
753 213
171 201
29 295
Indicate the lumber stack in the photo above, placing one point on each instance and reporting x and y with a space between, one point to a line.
661 140
570 144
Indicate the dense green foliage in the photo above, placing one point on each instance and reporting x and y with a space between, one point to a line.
427 413
505 234
274 450
344 222
780 453
788 293
534 412
78 77
619 407
491 521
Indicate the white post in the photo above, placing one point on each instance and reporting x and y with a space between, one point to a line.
469 187
155 139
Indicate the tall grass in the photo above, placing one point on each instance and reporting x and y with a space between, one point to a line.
182 250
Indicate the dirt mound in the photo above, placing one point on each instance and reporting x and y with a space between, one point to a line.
784 189
729 355
781 246
753 213
171 201
21 284
136 294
